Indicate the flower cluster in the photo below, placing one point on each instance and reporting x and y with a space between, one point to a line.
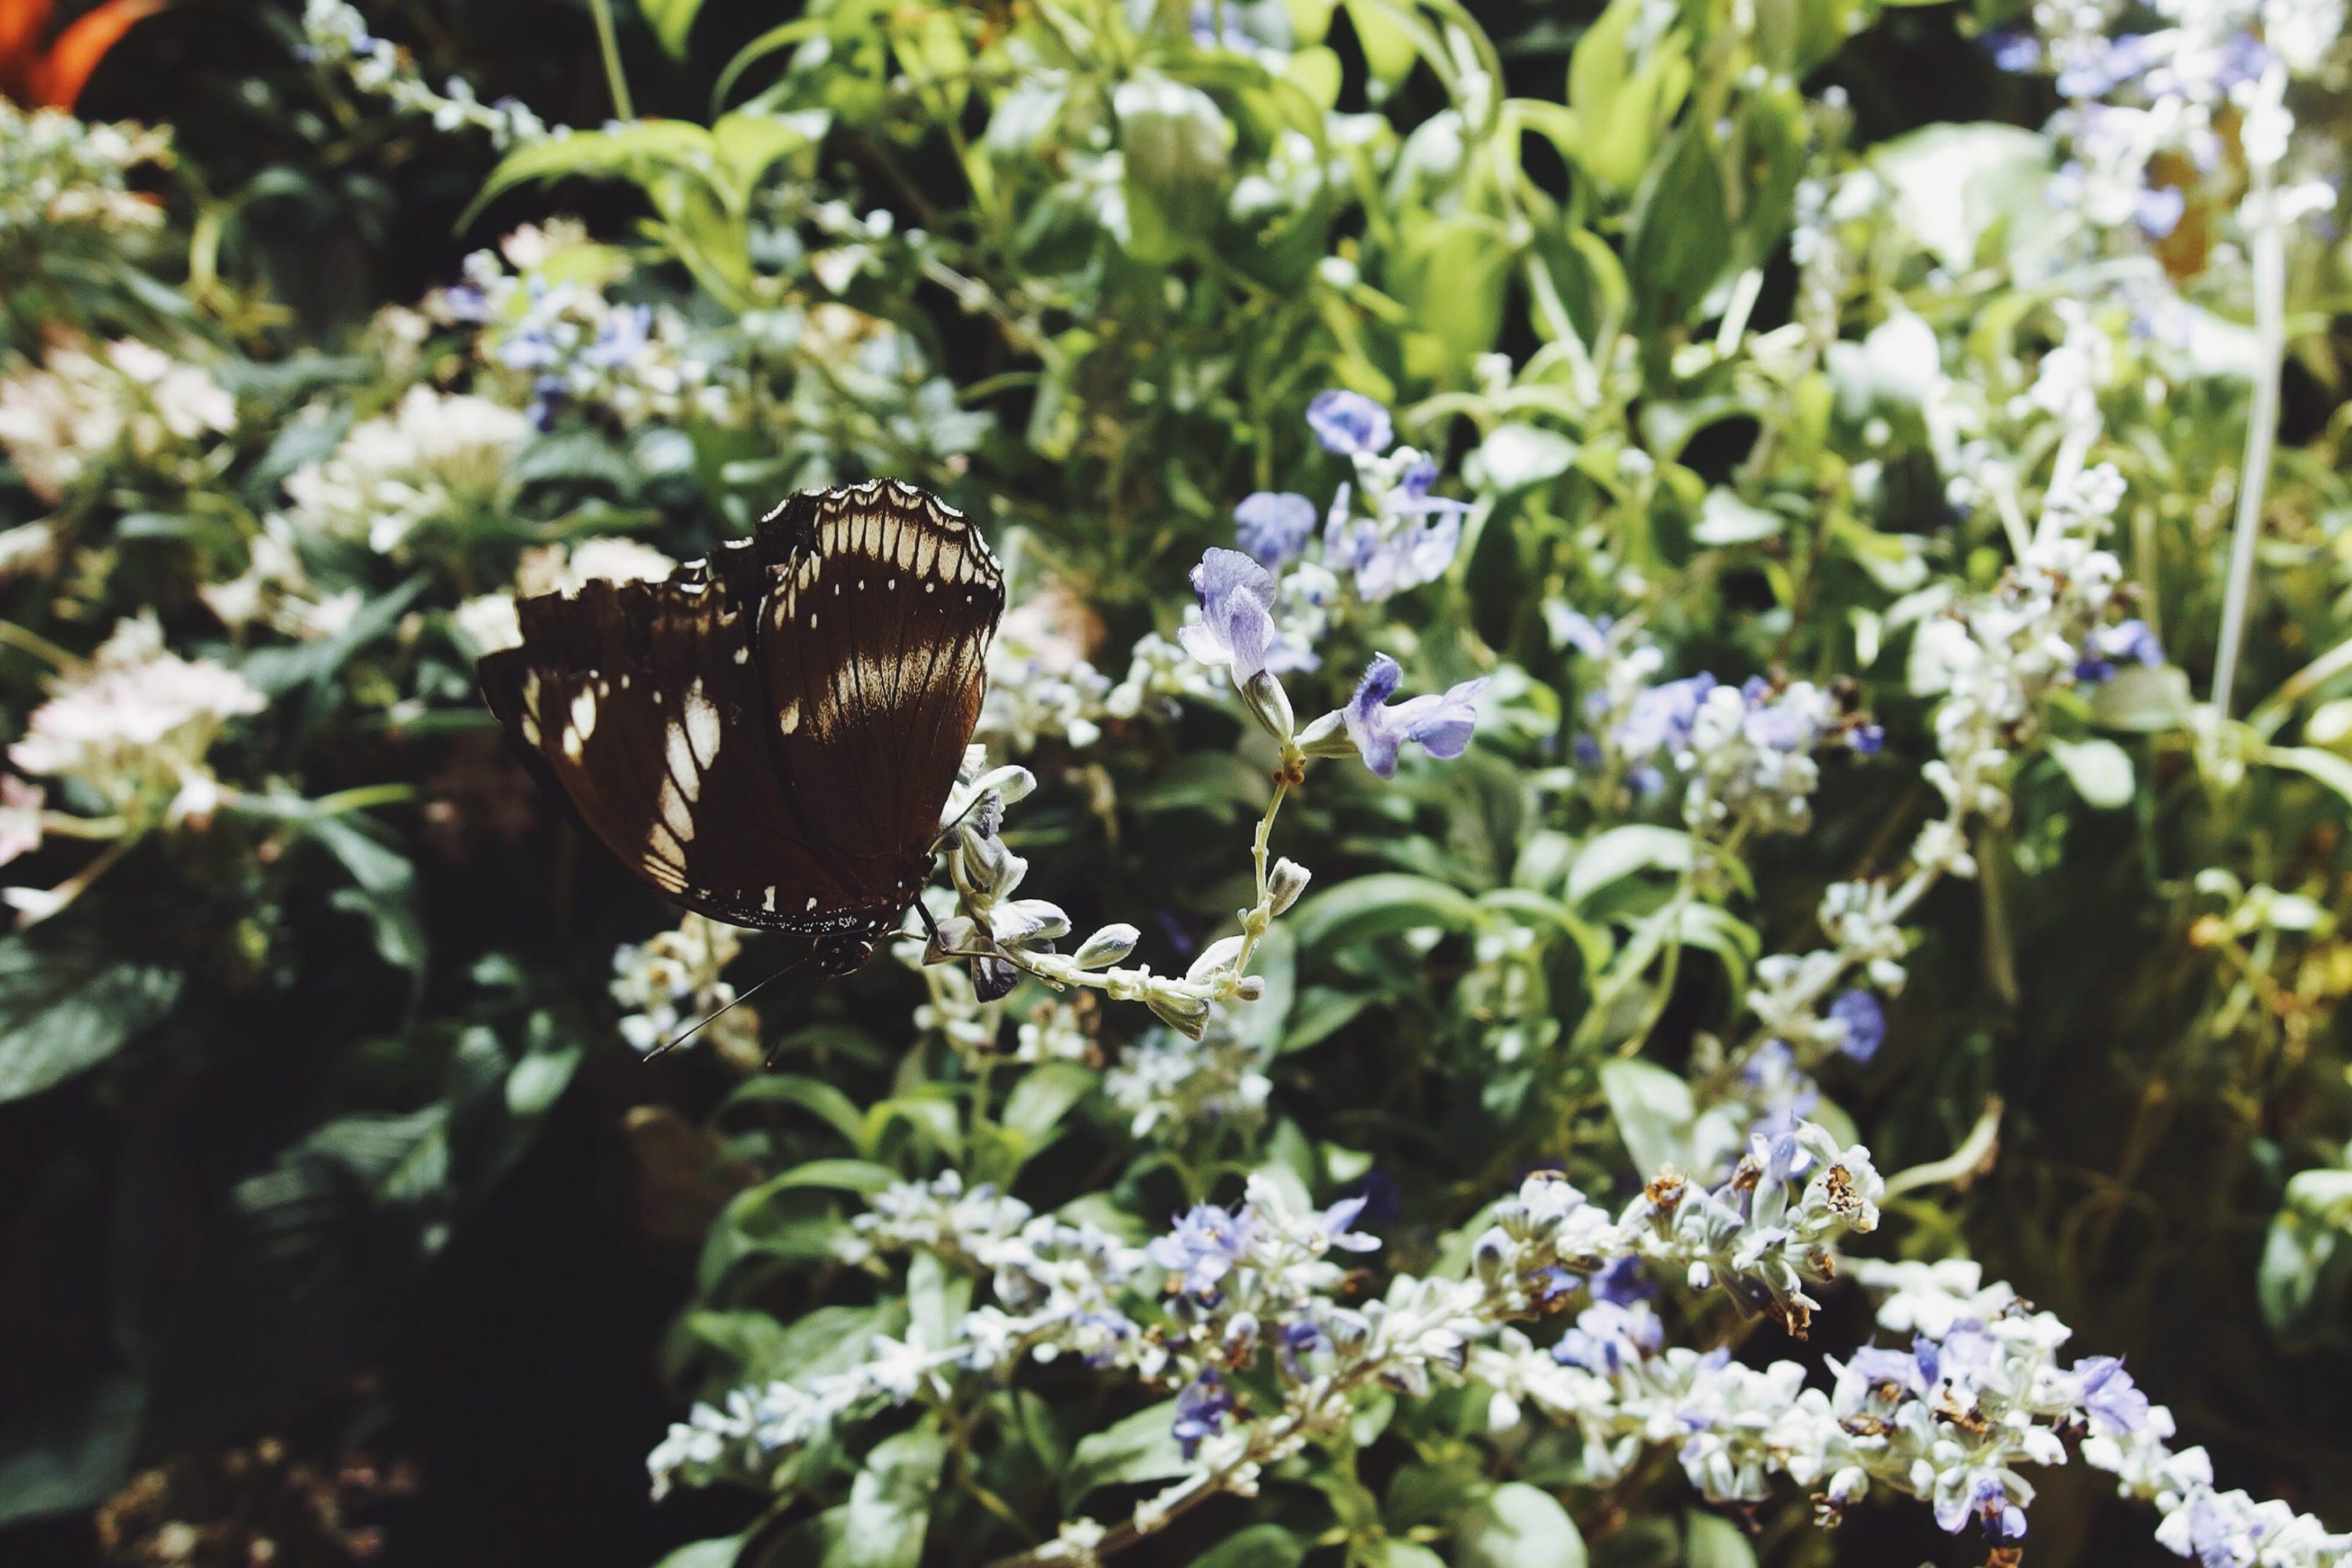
1250 1302
59 176
671 983
436 460
1746 753
80 410
1385 531
550 334
337 36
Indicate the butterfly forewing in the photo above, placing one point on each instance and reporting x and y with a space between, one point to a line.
875 639
757 745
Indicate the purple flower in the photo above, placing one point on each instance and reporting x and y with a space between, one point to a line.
1608 1338
1412 498
1386 560
1202 1408
1622 1282
1864 1021
1296 1339
2013 49
1875 1365
1867 739
1204 1248
1334 1222
1572 629
2106 1391
1205 32
1348 421
1274 526
623 337
2125 642
1236 628
1660 718
1442 726
2159 210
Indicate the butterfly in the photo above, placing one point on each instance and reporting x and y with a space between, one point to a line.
769 736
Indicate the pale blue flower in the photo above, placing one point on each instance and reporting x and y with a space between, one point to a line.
1236 628
1274 526
1205 1246
1608 1338
1348 421
1864 1021
2126 642
1202 1406
2115 1404
1440 725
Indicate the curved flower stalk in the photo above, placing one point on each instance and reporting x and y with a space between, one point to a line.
1247 1306
1003 936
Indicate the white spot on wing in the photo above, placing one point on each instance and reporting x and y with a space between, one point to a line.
674 812
702 728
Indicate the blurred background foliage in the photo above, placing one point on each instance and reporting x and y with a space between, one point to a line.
338 1214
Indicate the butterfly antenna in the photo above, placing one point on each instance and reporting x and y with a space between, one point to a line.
664 1050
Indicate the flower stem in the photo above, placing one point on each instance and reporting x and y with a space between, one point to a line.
608 43
2269 257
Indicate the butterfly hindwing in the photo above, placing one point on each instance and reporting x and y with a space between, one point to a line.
767 738
639 705
875 638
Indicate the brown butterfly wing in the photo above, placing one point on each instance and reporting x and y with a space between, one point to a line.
640 706
876 640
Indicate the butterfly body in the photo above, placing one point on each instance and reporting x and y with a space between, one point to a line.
768 736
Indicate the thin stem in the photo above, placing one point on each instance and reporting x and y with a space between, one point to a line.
2269 260
608 43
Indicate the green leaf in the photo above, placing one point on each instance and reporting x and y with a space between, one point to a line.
69 1458
843 1176
1653 1108
1140 1448
1176 144
1514 457
1954 185
1369 907
1321 1012
1725 519
890 1503
1516 1526
1387 46
719 1553
64 1010
1711 1540
1623 852
1043 1096
835 1108
2100 771
2328 768
1259 1546
385 892
672 21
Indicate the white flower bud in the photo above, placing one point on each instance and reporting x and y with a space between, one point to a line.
1269 704
1187 1015
1328 737
1214 957
1107 946
1284 883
